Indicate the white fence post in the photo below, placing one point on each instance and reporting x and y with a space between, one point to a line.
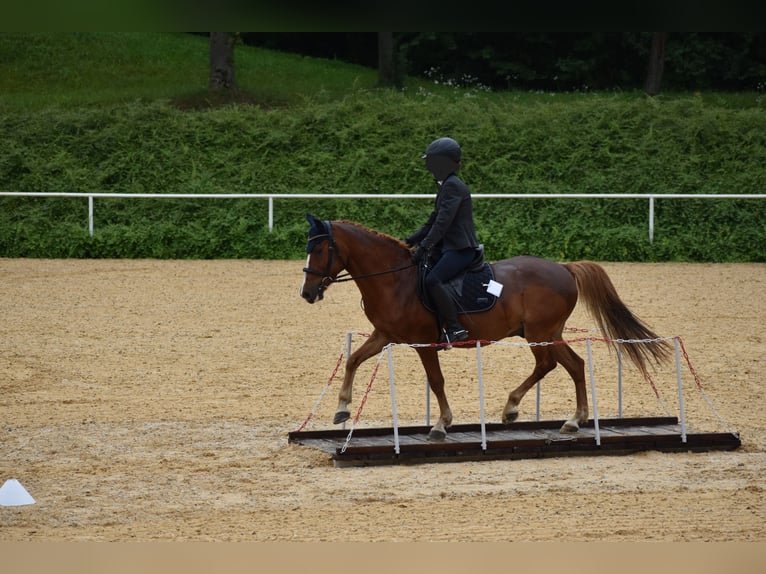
90 215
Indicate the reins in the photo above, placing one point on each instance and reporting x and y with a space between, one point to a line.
347 276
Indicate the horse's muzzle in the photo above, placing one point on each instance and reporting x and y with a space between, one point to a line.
311 296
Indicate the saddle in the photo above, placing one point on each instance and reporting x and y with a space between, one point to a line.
469 288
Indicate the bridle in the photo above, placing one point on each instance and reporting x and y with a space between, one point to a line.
326 275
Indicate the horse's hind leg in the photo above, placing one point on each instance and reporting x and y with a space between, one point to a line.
372 346
575 366
545 362
430 361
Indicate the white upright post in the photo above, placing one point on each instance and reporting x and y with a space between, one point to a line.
271 213
393 399
619 382
680 392
593 394
481 397
537 409
428 403
347 350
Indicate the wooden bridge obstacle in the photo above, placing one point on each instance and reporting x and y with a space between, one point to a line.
519 440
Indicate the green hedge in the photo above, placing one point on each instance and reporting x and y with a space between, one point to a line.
370 142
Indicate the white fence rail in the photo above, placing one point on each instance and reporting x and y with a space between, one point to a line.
651 197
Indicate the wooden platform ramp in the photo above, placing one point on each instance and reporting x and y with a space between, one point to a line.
376 446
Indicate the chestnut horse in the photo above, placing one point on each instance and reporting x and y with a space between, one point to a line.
537 298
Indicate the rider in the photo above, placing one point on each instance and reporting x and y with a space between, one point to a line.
449 234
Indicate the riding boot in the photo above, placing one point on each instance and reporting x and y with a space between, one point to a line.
447 311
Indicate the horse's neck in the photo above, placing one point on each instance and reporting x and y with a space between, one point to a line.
366 253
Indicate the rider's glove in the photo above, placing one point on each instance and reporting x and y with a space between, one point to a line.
419 254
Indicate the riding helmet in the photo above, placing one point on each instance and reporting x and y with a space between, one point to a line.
442 158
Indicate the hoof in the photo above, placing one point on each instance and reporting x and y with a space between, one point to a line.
341 416
508 418
569 428
436 436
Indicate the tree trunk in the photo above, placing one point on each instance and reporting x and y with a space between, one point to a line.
656 63
221 61
386 59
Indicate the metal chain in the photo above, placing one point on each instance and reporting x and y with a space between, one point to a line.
699 386
322 394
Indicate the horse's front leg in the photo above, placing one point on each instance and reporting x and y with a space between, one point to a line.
430 361
372 346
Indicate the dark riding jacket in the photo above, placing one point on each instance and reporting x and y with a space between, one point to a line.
450 225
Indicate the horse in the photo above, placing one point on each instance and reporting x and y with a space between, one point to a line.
537 299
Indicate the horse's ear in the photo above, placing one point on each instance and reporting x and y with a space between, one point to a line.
317 230
315 226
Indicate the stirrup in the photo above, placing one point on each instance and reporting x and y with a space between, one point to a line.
453 336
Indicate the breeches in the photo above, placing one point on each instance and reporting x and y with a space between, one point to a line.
450 264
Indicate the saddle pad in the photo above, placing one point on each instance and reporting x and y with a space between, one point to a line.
469 290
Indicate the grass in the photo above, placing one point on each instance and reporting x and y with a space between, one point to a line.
74 69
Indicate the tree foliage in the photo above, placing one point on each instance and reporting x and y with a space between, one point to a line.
551 61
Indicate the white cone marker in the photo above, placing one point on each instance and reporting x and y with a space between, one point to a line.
13 494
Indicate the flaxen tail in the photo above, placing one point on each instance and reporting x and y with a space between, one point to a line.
614 319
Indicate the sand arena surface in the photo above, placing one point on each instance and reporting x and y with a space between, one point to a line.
151 400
